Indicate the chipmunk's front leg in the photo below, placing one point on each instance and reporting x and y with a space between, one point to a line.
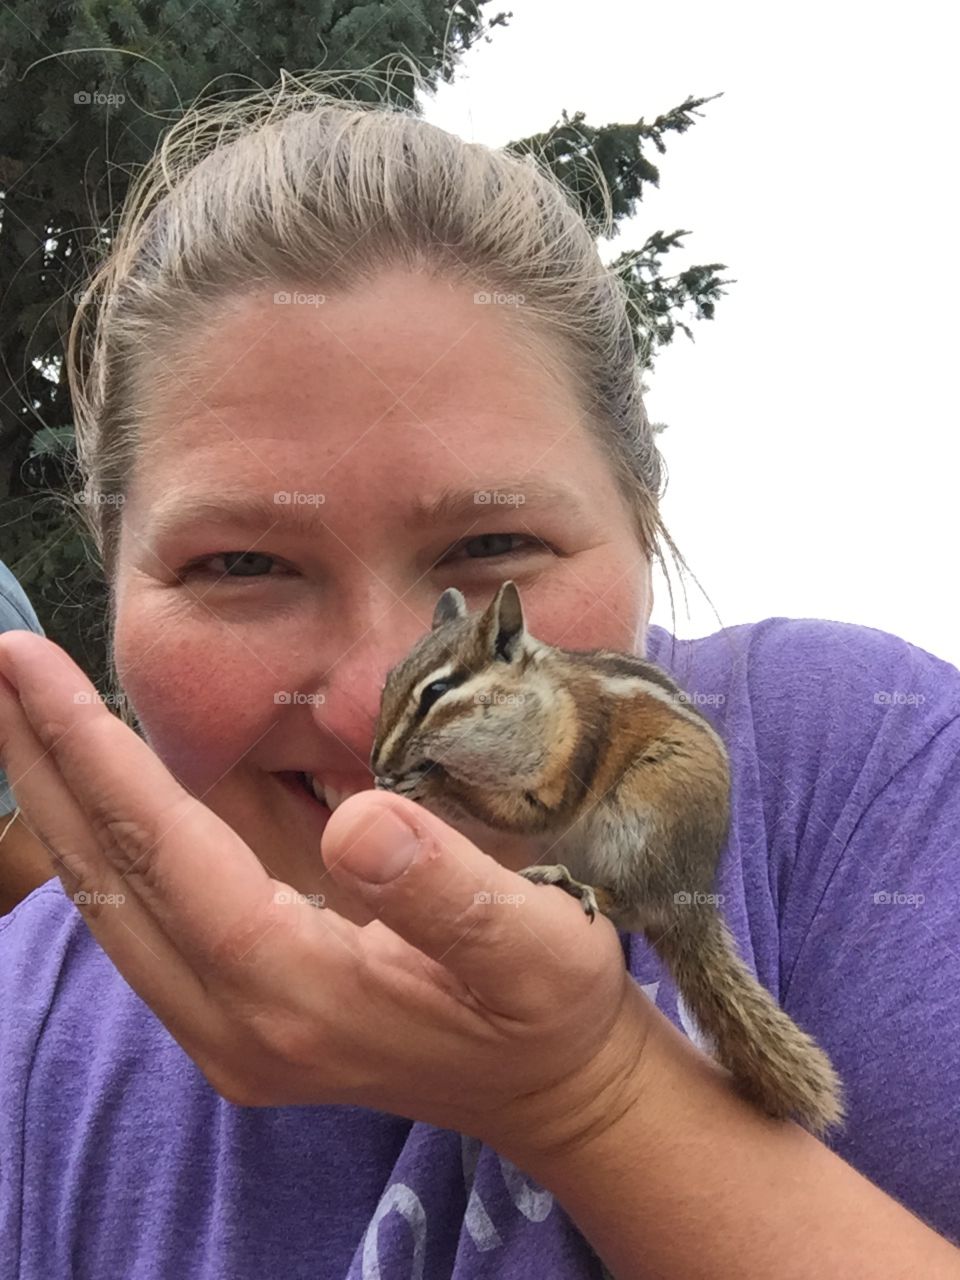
592 898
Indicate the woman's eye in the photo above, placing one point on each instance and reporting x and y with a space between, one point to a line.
247 564
487 545
257 564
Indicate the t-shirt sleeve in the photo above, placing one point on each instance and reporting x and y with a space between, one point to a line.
871 931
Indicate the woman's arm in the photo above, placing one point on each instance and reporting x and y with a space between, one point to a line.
692 1182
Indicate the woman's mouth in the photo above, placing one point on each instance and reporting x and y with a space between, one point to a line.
319 795
301 785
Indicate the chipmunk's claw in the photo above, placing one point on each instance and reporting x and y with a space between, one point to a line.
561 877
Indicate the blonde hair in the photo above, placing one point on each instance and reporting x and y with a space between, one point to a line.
293 184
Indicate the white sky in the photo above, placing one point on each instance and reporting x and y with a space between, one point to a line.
812 442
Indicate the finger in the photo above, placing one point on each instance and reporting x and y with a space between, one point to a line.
129 824
461 907
48 808
146 958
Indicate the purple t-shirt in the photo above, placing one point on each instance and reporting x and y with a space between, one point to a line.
841 883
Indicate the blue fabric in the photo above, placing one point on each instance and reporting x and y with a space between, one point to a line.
16 614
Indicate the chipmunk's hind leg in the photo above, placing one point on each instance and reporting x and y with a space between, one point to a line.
590 897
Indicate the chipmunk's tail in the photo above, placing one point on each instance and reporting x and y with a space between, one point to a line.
775 1064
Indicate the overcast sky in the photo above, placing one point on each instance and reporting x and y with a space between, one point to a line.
812 442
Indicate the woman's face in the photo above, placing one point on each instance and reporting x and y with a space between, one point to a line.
348 421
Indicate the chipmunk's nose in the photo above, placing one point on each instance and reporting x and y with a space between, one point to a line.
384 782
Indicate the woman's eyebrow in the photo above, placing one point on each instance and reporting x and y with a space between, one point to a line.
453 505
180 510
307 513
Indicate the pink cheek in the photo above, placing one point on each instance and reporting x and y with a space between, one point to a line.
602 619
201 709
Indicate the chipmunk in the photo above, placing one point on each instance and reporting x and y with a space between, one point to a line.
602 752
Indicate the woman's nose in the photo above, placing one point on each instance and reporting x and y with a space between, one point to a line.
351 681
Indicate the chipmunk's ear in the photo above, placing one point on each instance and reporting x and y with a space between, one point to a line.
450 606
502 623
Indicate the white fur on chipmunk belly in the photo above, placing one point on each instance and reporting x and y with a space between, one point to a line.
602 841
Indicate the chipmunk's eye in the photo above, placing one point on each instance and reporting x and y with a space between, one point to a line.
434 691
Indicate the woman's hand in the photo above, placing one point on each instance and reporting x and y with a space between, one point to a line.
476 1001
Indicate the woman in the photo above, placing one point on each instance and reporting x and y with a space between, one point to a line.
323 336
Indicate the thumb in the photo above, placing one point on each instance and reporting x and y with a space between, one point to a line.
443 895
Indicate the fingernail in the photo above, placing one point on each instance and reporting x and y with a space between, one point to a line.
384 850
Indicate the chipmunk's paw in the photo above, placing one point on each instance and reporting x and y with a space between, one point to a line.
561 877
